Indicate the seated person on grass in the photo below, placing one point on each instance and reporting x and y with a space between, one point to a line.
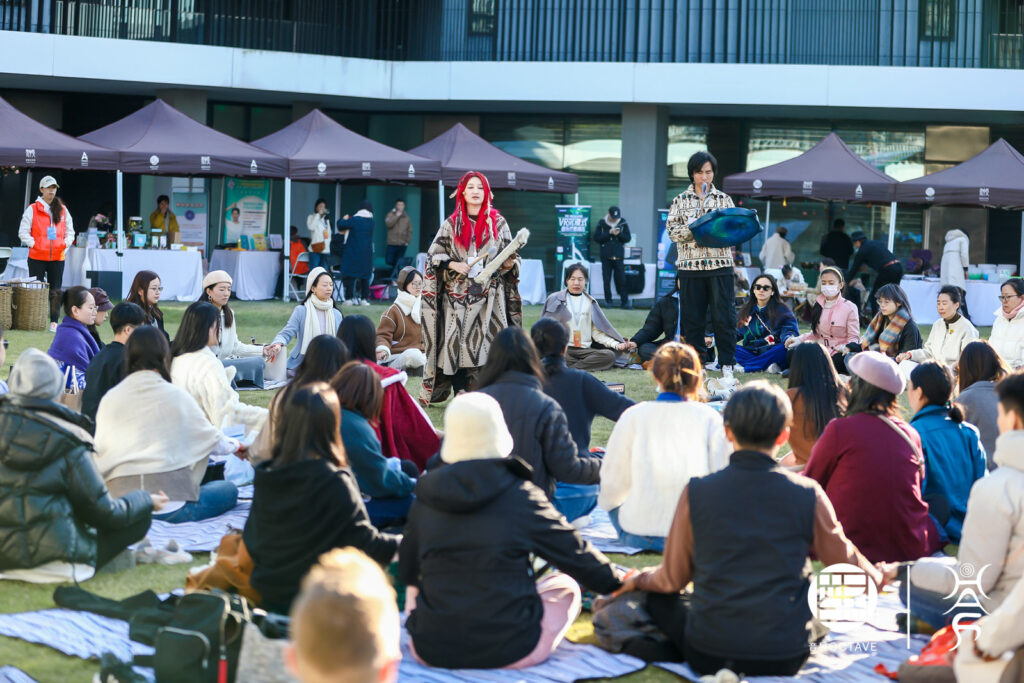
663 324
763 326
748 611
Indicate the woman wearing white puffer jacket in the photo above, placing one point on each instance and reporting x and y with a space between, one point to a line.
1007 336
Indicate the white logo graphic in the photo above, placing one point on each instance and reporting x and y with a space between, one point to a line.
551 183
321 168
154 161
85 159
30 156
859 192
808 186
253 168
366 168
758 184
842 593
511 178
204 163
929 192
412 171
983 194
967 597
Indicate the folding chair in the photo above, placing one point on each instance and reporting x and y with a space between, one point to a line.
299 293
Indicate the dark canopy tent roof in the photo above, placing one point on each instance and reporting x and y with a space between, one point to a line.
829 171
26 143
318 148
994 178
160 140
460 150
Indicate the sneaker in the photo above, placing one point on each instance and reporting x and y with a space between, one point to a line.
350 302
728 370
712 366
147 553
53 328
774 369
364 302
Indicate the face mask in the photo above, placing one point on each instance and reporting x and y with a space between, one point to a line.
830 291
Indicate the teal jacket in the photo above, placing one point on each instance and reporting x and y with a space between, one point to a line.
954 460
362 448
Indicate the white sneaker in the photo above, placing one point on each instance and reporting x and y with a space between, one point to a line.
147 553
713 366
729 370
53 328
774 369
364 302
350 302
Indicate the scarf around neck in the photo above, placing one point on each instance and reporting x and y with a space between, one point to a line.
1012 314
410 305
312 327
887 336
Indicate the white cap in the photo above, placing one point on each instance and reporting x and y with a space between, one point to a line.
48 181
474 429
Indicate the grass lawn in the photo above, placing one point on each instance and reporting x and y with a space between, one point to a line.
262 320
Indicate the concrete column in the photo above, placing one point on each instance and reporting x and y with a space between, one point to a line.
191 102
642 179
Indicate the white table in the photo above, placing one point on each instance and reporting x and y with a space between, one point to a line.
181 272
532 287
597 282
255 274
981 300
17 265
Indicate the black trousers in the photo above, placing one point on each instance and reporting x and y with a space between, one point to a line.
50 271
616 267
669 614
888 275
356 287
696 295
109 542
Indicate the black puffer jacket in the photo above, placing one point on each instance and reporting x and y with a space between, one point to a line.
540 433
467 547
661 323
52 498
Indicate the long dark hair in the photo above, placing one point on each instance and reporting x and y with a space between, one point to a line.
309 427
56 209
194 331
817 309
511 350
325 355
359 390
895 294
359 336
813 375
313 286
777 310
550 337
147 349
139 294
935 381
73 297
229 317
867 398
980 362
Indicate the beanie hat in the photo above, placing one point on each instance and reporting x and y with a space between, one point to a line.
474 429
311 278
101 299
215 277
877 369
36 375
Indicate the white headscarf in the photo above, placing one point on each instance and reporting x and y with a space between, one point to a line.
314 304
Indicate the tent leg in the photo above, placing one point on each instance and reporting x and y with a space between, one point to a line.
337 202
576 199
120 227
927 228
286 270
440 203
892 225
1021 271
28 186
768 219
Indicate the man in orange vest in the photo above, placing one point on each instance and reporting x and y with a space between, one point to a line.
47 230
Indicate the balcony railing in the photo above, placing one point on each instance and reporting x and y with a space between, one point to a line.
945 33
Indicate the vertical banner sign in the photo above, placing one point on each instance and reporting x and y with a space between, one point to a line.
246 204
191 210
666 281
573 242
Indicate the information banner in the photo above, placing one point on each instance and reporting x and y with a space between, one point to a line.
573 242
666 280
191 208
246 205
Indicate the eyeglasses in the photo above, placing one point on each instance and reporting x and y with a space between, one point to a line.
1004 299
158 288
763 288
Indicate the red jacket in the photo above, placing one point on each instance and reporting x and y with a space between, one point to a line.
403 429
874 478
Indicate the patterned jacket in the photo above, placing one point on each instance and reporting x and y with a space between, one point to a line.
686 208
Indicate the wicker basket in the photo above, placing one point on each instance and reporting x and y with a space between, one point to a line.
6 299
31 306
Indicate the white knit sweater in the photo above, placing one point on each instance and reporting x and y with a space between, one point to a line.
653 452
230 346
946 343
204 377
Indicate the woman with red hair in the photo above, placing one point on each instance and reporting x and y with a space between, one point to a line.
461 317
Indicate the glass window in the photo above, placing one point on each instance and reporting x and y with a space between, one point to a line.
481 17
937 19
898 153
267 120
229 119
770 144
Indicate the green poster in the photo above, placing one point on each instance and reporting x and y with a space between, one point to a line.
246 208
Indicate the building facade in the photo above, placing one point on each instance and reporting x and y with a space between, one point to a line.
620 93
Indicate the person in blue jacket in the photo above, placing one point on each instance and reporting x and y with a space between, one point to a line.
357 259
953 454
764 323
384 480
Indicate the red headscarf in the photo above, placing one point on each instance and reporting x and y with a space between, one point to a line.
465 230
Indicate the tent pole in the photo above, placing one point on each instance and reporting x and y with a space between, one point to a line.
120 227
892 225
576 199
927 227
440 203
337 202
28 186
768 219
286 240
1021 271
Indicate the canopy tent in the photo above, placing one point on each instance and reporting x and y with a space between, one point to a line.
993 178
26 143
829 171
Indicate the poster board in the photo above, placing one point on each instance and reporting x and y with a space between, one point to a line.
573 239
246 208
192 211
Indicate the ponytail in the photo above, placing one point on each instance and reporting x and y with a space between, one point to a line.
676 368
956 413
935 381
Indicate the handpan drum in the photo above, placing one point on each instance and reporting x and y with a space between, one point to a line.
725 227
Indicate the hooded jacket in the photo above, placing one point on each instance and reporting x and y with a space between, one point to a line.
300 511
52 498
956 255
467 546
1007 338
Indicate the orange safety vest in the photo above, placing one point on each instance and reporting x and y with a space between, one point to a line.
46 249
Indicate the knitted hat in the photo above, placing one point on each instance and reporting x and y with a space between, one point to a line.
474 429
311 278
215 277
101 298
36 375
405 276
879 370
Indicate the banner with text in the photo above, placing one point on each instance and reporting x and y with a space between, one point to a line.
666 281
246 207
191 208
573 242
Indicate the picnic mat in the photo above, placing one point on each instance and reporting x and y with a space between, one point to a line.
201 537
848 654
10 674
601 533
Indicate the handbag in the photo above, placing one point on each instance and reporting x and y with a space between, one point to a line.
230 570
71 397
317 247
